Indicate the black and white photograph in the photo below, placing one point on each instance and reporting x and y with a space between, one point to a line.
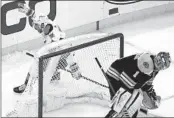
85 58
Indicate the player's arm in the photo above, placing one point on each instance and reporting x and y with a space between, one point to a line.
24 8
115 69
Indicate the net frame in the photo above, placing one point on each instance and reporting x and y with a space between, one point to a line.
71 49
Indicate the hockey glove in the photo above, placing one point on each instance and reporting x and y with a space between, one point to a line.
25 9
74 68
158 101
155 98
151 100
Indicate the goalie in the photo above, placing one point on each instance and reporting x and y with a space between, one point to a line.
130 82
51 33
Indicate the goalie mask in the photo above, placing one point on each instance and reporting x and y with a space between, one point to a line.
162 60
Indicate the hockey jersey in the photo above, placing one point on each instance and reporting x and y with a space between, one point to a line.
133 71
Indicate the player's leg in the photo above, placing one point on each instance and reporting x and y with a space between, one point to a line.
32 73
118 102
62 64
116 85
125 103
133 105
21 88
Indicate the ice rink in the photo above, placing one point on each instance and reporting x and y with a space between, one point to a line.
154 35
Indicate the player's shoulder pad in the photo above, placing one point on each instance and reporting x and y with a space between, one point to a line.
145 63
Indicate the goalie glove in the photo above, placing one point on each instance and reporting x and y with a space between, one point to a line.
151 100
74 68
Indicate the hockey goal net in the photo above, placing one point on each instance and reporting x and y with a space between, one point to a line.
93 86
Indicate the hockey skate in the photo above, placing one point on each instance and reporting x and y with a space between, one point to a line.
20 89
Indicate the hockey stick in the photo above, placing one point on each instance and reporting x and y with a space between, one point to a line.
167 98
86 78
112 89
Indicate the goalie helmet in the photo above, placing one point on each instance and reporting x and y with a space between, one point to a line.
162 60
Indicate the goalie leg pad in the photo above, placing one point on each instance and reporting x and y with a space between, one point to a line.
120 99
134 103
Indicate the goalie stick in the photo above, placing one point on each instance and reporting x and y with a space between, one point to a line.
113 91
86 78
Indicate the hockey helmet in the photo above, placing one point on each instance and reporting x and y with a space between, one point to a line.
42 17
162 60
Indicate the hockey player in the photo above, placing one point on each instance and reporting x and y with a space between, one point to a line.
46 27
51 33
130 82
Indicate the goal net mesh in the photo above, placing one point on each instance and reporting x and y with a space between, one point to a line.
56 84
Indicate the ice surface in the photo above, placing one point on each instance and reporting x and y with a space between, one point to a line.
140 36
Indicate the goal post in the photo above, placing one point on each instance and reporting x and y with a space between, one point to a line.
107 47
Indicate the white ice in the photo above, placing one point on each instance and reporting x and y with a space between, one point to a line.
153 34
